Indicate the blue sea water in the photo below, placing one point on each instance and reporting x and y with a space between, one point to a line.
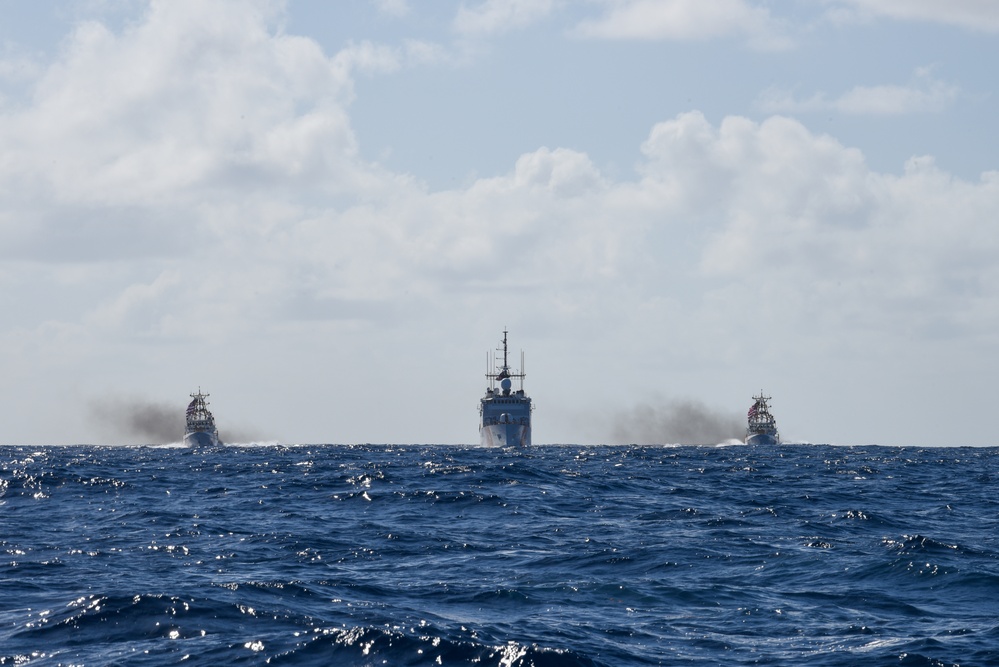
553 556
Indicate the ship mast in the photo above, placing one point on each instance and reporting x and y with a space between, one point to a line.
198 409
504 370
760 412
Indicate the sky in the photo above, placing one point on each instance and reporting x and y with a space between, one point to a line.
326 214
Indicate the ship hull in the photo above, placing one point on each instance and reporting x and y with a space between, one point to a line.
762 439
505 435
201 439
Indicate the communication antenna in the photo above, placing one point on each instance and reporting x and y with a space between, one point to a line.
523 370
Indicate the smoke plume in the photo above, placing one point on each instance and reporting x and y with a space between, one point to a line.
142 422
139 421
676 422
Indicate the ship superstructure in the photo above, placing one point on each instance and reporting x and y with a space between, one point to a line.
505 412
201 430
761 428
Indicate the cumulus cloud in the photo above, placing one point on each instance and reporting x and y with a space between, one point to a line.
16 68
686 20
498 16
222 169
976 15
186 198
813 224
176 103
924 94
396 8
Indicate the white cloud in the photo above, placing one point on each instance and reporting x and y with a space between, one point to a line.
686 20
807 218
18 68
396 8
976 15
186 204
924 94
497 16
178 102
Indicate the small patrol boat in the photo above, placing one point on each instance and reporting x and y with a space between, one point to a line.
762 427
505 412
201 430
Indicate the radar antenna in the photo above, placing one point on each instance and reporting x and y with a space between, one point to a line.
502 371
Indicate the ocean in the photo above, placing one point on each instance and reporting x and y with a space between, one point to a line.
551 556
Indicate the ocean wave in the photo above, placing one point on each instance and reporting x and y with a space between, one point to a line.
369 555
